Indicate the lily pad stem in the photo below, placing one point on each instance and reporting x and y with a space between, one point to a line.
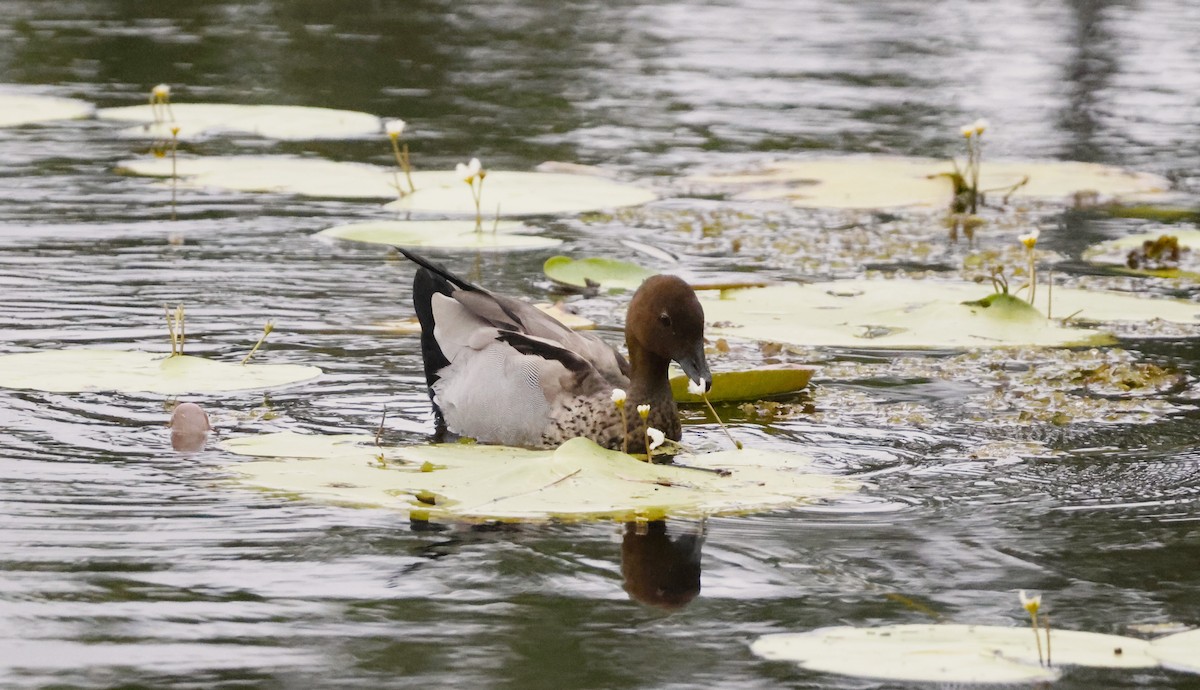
1046 622
736 443
1033 621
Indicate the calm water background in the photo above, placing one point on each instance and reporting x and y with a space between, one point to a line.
124 564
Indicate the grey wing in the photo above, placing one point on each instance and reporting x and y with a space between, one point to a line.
506 313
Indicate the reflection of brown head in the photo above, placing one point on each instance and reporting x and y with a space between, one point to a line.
189 428
658 571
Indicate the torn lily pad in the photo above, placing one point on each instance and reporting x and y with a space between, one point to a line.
577 481
23 109
443 234
437 192
130 371
949 653
926 314
285 122
1178 652
604 274
746 384
883 181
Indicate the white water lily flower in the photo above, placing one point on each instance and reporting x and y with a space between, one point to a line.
395 128
618 397
469 171
1030 239
161 92
643 411
979 125
696 387
656 437
1030 604
967 131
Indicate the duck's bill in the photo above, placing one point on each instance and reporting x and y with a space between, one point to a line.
695 367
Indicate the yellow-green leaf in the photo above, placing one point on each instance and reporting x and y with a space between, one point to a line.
443 234
747 384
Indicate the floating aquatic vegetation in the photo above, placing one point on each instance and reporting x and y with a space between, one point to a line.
884 182
442 234
1158 253
18 109
437 192
950 653
558 310
594 273
905 313
73 371
285 122
1178 652
577 481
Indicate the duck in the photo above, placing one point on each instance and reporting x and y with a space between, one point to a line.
502 371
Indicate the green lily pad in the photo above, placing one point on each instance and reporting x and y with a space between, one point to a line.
577 481
128 371
1158 214
442 234
287 122
883 181
22 109
949 653
609 274
748 384
1178 652
927 314
438 192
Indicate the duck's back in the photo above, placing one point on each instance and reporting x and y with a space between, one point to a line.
502 371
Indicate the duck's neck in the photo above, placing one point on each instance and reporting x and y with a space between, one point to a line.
649 385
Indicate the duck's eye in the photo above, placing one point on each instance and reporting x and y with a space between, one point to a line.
665 319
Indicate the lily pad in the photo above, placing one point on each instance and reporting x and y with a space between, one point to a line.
128 371
443 234
882 181
575 322
748 384
949 653
287 122
23 109
609 274
438 192
577 481
925 314
1117 253
1178 652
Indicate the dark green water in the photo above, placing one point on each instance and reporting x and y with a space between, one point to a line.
123 564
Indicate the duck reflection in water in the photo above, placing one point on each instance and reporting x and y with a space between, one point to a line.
658 570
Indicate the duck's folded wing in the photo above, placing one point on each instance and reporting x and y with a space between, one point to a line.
507 314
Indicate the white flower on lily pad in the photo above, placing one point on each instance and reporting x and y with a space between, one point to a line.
1030 238
469 171
643 411
618 397
395 128
967 131
1030 604
656 437
979 125
161 92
